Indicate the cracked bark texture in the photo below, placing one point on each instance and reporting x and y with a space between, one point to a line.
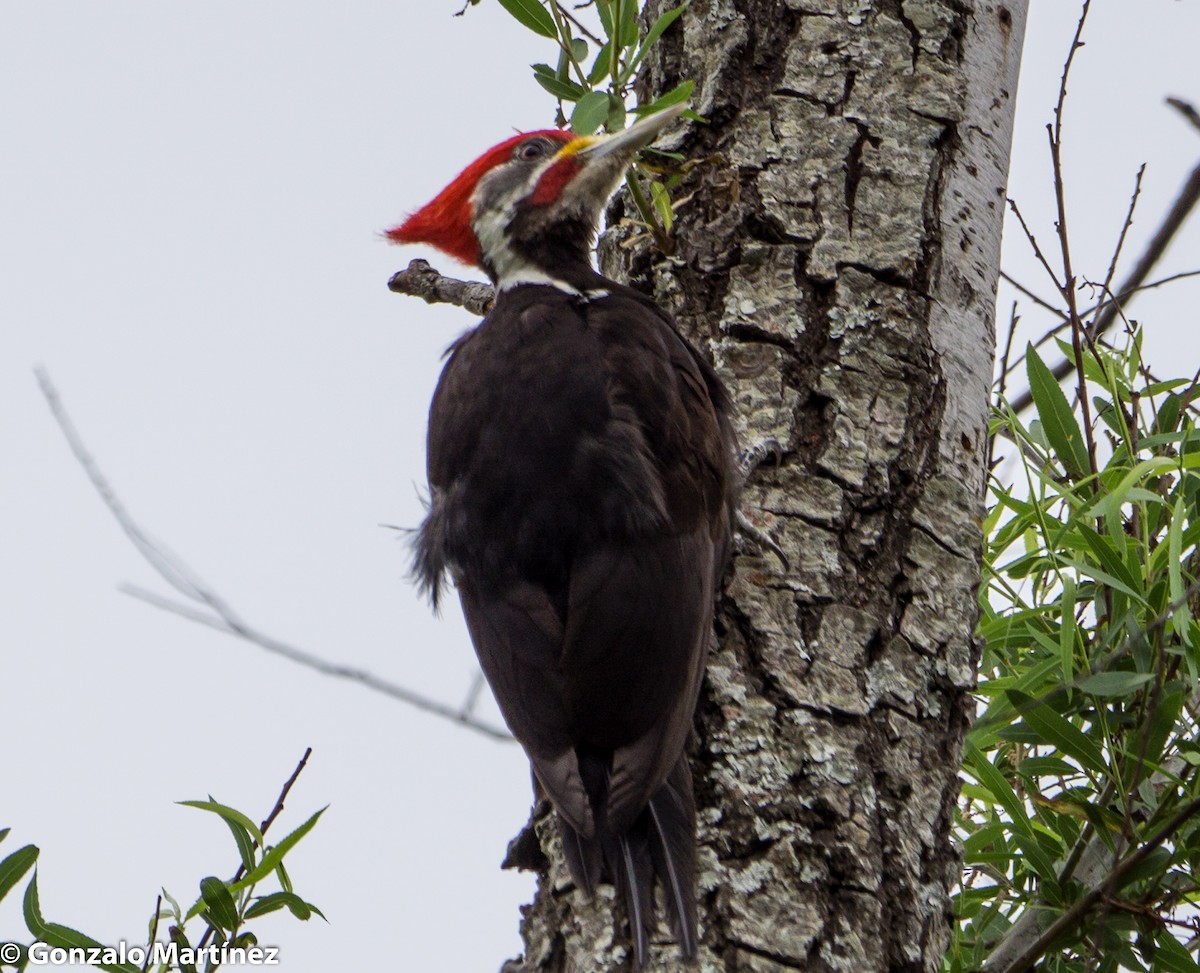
839 260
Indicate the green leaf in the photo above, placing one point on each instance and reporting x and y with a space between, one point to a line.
285 880
629 23
566 90
616 116
1118 494
1163 721
1105 548
229 814
245 844
590 113
175 910
1066 632
180 939
54 934
1091 571
1182 614
15 866
662 204
221 908
274 855
680 93
1114 683
1171 955
1168 415
533 15
604 9
601 65
1000 789
246 940
4 833
1058 732
1058 421
271 903
1036 856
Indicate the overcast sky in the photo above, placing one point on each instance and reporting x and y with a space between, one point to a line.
190 203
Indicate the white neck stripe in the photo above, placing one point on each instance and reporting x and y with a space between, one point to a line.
524 274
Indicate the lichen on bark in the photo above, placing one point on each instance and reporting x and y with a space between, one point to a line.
838 260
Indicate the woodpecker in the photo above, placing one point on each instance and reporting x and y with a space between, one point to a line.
582 485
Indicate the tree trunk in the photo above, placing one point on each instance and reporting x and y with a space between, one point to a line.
839 259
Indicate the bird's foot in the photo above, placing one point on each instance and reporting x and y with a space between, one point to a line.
752 457
747 530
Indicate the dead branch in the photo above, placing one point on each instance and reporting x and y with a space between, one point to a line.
1184 203
419 279
211 609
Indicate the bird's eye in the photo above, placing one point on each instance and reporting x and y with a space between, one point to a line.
530 151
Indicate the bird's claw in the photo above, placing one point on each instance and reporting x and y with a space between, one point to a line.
748 530
752 457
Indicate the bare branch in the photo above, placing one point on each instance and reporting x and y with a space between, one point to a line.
1106 287
1184 203
212 610
1037 250
1013 320
1069 288
1040 301
419 279
278 809
153 934
1103 305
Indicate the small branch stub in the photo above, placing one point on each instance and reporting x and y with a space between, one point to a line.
419 279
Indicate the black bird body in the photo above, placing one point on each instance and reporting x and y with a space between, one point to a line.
580 463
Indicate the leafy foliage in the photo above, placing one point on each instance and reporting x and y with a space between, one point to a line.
1079 815
223 908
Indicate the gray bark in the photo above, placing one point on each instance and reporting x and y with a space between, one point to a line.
839 261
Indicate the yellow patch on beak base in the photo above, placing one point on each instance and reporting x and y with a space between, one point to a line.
577 145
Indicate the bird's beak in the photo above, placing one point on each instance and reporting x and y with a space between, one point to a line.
591 148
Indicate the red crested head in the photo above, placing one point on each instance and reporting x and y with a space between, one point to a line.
445 222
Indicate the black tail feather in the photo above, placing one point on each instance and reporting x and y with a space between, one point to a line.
584 857
672 819
635 882
659 848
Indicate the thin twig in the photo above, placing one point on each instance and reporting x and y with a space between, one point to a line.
1040 301
278 808
1013 320
214 611
583 30
419 279
1037 250
1176 216
300 657
1067 287
153 934
1106 287
473 691
1106 304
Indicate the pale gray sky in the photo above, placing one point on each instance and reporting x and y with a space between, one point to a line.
189 212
